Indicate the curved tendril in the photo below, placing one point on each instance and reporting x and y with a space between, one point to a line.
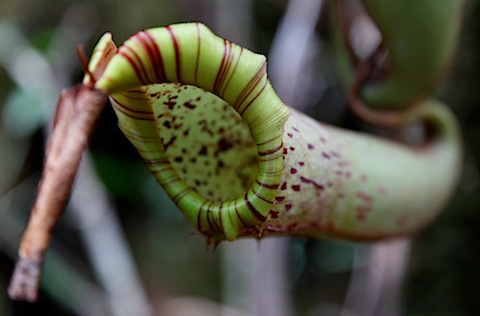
419 40
380 118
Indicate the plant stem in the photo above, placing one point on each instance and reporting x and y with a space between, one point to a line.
77 112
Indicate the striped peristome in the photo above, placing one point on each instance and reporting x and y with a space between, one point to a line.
190 54
238 162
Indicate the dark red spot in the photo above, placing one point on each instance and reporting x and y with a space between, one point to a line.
290 135
292 148
296 187
170 104
288 207
167 124
179 159
170 142
362 211
273 213
335 154
343 163
310 146
295 129
293 170
224 144
205 128
325 155
361 216
317 185
285 151
381 190
284 186
203 151
365 197
280 198
189 105
301 163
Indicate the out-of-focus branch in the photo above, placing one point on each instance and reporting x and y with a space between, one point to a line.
78 110
273 278
375 287
293 49
106 244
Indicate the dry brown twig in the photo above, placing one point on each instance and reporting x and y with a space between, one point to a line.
77 113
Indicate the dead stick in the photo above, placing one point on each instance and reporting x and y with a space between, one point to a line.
77 112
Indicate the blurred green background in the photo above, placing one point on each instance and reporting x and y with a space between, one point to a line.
122 248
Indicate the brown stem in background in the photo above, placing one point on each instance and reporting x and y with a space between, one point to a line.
387 119
77 112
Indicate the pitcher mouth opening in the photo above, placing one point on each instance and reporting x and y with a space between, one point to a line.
205 140
220 172
224 174
219 165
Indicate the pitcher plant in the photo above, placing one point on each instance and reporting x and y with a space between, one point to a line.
237 161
